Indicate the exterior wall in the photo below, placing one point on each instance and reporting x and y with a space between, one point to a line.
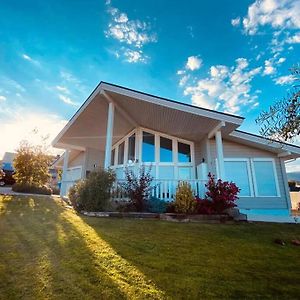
77 161
93 159
236 150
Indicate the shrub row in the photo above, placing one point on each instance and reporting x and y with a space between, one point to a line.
31 189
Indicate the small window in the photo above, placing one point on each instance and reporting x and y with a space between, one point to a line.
184 153
238 172
148 147
112 158
265 178
121 154
131 148
166 153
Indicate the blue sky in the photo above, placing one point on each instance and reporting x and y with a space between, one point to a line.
232 56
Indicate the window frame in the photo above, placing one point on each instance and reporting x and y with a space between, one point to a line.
272 160
249 172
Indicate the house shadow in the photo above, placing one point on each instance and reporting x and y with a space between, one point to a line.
48 251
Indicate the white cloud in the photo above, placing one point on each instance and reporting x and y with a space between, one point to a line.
225 88
134 56
183 80
269 68
279 14
236 21
193 63
134 33
284 79
67 100
295 39
2 98
18 124
63 89
30 59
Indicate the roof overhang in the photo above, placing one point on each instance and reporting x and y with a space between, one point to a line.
283 150
87 128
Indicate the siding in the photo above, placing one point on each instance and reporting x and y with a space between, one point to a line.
77 160
236 150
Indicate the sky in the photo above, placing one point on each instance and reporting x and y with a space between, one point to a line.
232 56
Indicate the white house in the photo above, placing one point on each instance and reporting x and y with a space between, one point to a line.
118 127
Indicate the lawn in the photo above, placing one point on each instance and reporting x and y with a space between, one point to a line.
49 252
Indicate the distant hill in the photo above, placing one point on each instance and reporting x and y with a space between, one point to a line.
295 176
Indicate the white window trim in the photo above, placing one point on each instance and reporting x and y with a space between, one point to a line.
275 177
247 160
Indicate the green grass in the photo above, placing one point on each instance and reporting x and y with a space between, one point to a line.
49 252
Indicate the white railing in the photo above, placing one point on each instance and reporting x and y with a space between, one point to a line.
163 189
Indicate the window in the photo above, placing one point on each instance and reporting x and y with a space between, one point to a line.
166 172
238 172
112 159
148 147
121 154
184 153
131 148
184 173
265 180
166 154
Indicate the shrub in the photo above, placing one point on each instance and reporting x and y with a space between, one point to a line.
93 193
55 190
155 205
204 206
223 194
31 189
184 199
138 188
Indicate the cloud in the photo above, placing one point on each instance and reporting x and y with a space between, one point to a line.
63 89
275 13
225 88
193 63
294 39
67 100
236 21
19 123
2 98
285 79
269 68
30 59
134 56
133 33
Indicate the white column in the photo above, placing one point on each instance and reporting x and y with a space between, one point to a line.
109 134
220 155
63 187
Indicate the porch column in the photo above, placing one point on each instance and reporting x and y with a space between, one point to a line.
63 186
220 155
109 134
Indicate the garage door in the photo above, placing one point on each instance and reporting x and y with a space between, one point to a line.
72 175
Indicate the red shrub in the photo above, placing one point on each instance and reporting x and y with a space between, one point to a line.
204 206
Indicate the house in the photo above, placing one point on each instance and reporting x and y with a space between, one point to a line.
118 127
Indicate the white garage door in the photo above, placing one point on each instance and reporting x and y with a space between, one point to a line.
72 175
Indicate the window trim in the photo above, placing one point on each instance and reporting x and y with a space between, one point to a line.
249 172
275 177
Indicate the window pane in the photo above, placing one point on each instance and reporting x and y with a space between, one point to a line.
112 159
265 178
148 147
237 171
121 154
184 173
184 152
166 154
131 148
166 172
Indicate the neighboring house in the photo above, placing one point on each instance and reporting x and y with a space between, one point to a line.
7 161
118 127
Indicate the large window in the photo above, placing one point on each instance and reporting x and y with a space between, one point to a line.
165 151
131 148
121 153
238 172
184 153
265 180
112 158
148 147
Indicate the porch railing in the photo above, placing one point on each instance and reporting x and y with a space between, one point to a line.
163 189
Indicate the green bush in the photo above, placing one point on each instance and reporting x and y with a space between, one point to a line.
93 193
31 189
184 199
155 205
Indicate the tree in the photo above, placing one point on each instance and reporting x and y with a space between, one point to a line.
31 165
282 120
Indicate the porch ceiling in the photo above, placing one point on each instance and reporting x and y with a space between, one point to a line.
87 129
